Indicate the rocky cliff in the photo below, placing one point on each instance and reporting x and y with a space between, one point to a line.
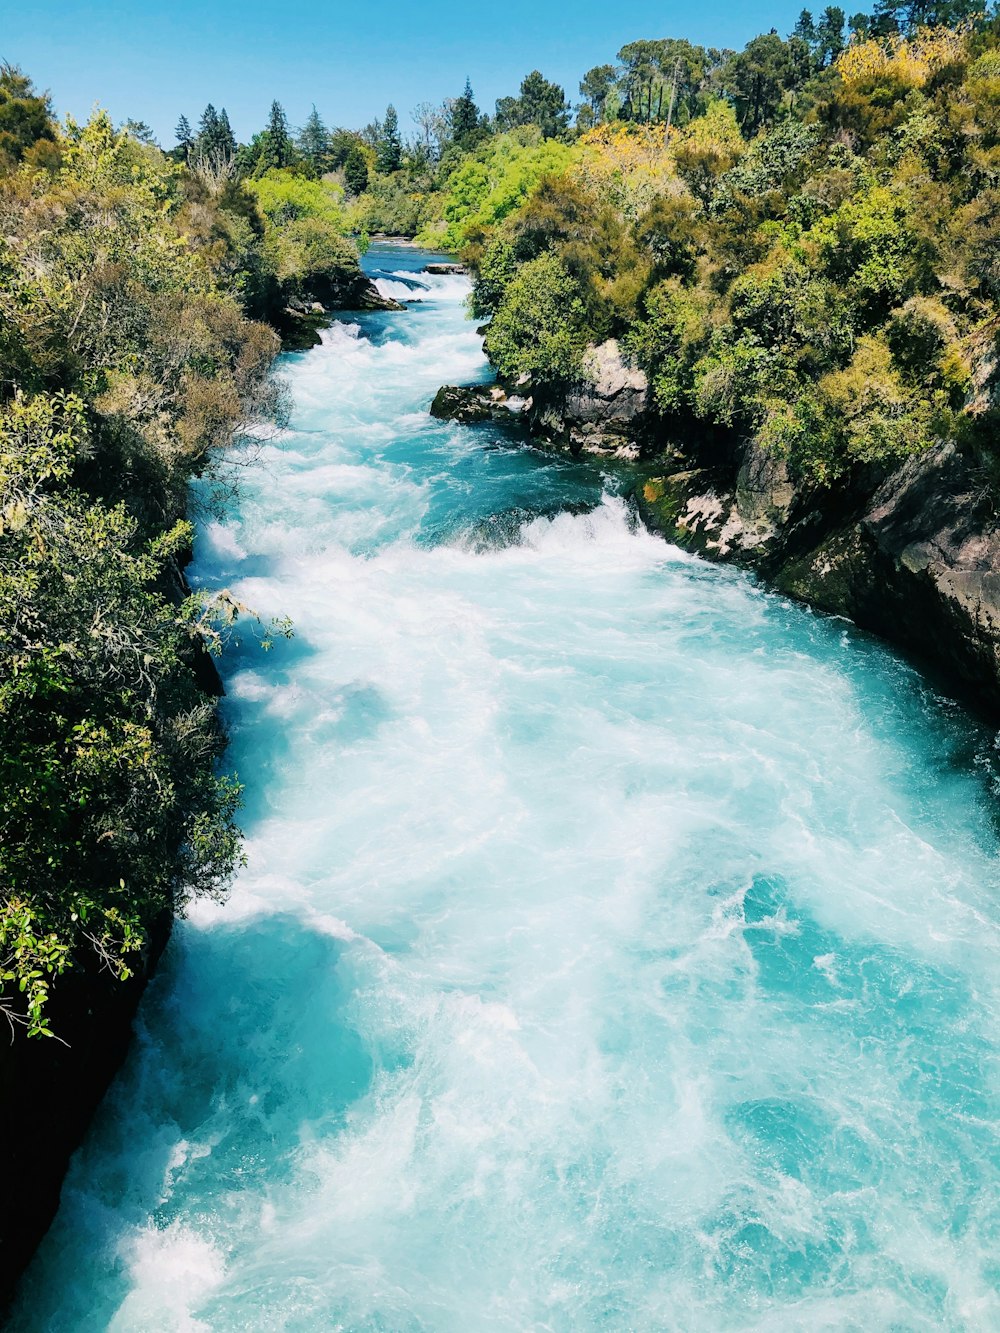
50 1089
912 553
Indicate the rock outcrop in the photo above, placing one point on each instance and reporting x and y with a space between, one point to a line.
604 414
912 553
917 561
49 1091
471 403
301 320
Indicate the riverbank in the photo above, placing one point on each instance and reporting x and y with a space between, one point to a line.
910 552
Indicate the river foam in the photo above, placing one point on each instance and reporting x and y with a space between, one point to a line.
618 943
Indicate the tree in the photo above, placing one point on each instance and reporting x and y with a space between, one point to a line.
390 148
184 135
139 130
226 143
279 139
208 132
829 36
25 116
339 147
356 170
595 86
541 103
757 78
466 120
214 150
805 28
433 124
314 141
270 150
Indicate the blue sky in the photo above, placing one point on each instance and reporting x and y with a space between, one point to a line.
151 62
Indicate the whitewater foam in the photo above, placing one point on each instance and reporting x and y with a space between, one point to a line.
617 947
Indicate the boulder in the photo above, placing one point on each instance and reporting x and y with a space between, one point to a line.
471 403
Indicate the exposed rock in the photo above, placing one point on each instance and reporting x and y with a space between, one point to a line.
303 319
918 563
470 403
605 413
921 566
911 553
49 1092
445 269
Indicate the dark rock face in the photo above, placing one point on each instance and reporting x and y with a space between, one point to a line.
50 1091
471 403
911 553
921 566
918 561
445 269
301 320
605 414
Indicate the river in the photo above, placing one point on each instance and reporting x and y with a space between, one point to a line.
617 947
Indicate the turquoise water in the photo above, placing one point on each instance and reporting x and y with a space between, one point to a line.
618 944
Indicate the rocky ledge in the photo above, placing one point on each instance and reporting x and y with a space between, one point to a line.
603 415
302 319
916 559
911 553
471 403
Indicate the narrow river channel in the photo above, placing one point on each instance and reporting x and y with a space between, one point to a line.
617 948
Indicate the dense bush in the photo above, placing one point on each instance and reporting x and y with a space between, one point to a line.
126 359
824 279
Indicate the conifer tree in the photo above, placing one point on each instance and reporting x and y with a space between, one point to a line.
466 121
279 140
390 147
208 131
314 141
185 136
226 139
356 170
830 35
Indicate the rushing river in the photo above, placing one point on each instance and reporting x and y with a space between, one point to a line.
618 943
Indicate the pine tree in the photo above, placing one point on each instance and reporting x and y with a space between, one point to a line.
280 142
185 137
805 28
356 171
208 131
830 35
390 147
466 121
314 141
226 139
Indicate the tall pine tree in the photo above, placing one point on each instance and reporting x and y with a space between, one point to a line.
466 121
279 140
390 147
185 137
314 142
226 139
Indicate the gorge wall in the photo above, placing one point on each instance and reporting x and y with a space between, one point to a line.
911 553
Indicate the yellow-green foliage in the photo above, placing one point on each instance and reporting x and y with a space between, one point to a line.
822 285
125 360
494 181
284 197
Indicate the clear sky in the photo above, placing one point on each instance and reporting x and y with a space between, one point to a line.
153 61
